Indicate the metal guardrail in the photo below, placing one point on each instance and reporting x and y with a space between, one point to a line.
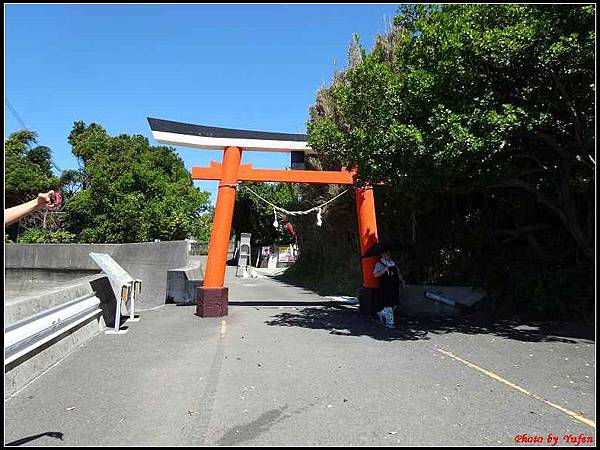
24 336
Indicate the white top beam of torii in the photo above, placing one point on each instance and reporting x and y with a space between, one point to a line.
201 136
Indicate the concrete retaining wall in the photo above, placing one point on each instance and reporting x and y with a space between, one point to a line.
148 261
183 282
21 306
22 280
42 276
22 371
413 302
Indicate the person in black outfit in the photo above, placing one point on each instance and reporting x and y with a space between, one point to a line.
389 288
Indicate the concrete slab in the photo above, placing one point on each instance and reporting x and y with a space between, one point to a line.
414 303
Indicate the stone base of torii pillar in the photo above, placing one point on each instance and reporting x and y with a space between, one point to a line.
212 302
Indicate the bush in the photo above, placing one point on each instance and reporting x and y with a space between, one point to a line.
39 236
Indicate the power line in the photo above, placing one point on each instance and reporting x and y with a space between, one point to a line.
55 165
12 109
14 113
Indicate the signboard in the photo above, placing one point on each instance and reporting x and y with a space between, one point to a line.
286 254
110 267
267 258
126 289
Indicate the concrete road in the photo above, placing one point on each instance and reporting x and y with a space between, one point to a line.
303 371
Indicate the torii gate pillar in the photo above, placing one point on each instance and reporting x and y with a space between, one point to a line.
367 235
213 296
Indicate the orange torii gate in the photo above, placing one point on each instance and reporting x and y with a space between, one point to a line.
213 296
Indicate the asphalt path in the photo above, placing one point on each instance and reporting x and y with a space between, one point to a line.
289 367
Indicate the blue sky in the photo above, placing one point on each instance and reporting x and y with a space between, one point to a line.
239 66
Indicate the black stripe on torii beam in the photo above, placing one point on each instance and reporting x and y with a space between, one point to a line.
170 126
202 136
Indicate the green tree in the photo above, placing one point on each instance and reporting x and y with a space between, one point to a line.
71 181
28 171
28 168
202 227
130 191
480 121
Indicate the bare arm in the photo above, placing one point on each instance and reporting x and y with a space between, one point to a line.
16 213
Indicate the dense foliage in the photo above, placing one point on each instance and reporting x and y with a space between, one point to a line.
132 192
42 236
480 121
124 191
27 169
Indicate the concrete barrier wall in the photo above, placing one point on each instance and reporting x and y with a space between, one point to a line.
148 261
15 277
20 373
183 282
23 370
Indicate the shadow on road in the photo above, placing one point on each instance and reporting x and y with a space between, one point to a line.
347 322
260 425
273 303
252 430
25 440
